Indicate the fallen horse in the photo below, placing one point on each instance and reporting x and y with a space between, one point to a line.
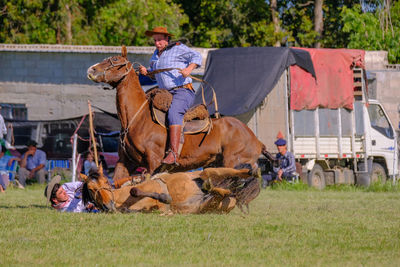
214 190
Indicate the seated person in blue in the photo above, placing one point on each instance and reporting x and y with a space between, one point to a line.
5 161
89 163
33 164
66 197
286 167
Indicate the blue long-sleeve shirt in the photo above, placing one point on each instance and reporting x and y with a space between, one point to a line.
177 56
287 163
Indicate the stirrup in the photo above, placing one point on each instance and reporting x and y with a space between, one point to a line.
175 157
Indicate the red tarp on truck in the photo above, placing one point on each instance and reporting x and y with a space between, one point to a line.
333 87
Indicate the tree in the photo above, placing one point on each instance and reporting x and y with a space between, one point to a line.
318 22
85 22
378 30
229 23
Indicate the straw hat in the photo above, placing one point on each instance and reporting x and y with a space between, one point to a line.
158 30
56 180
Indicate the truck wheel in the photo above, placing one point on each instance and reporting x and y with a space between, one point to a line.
316 177
378 173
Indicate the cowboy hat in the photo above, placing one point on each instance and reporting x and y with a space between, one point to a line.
158 30
49 188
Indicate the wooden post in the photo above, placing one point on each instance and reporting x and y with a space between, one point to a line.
92 134
74 161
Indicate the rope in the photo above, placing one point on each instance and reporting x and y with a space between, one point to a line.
124 133
77 129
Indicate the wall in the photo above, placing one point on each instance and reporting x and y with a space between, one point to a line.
388 93
51 79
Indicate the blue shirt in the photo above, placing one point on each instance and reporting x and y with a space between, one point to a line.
87 166
178 56
4 162
287 163
38 158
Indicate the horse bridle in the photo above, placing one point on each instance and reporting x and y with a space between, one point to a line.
126 62
112 194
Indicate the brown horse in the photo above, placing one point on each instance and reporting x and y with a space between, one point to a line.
143 142
175 193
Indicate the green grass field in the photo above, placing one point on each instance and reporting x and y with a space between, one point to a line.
288 225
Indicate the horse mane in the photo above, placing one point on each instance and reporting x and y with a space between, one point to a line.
86 196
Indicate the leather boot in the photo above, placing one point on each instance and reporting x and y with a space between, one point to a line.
174 137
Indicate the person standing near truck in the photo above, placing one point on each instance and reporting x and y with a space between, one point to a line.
286 167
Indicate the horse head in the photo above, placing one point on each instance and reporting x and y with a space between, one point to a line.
111 70
97 189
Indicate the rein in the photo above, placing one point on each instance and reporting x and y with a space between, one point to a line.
126 62
124 133
108 189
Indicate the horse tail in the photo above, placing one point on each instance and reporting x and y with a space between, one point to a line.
267 154
163 198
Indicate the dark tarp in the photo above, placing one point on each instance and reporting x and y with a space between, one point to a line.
243 77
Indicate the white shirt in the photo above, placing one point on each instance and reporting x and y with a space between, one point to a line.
3 128
74 202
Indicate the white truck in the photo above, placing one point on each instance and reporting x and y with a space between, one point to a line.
359 146
333 146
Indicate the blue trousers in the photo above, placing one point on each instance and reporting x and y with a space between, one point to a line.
182 100
273 176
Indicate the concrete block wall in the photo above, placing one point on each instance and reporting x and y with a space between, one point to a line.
51 79
388 93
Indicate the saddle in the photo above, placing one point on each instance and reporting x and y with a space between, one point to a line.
196 119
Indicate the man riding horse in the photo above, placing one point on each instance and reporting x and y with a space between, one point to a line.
178 56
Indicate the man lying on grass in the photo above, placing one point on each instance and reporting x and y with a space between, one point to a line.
66 197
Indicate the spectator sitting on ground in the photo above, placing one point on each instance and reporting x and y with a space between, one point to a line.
287 165
5 160
32 163
89 163
66 197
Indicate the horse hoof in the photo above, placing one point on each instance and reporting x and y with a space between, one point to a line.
164 198
134 192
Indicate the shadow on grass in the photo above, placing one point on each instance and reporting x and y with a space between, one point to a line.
35 206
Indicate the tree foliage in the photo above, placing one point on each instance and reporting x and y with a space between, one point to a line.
228 23
86 21
373 24
372 31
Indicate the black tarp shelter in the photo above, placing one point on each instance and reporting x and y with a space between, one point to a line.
243 77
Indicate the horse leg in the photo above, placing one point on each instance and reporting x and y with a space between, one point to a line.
213 176
219 174
227 204
147 204
120 171
163 198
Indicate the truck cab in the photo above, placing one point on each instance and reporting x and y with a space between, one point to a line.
381 143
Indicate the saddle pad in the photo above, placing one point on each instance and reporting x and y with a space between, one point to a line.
189 127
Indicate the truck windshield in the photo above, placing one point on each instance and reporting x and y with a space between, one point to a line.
379 121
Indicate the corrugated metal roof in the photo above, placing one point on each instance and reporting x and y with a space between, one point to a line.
74 48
